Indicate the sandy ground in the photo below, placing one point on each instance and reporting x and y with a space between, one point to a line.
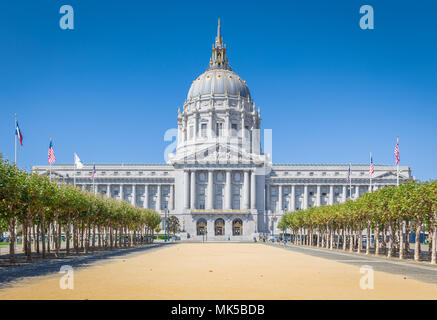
220 271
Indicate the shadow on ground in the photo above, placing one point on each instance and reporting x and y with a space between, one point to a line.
8 276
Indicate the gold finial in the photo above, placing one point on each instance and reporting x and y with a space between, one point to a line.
218 59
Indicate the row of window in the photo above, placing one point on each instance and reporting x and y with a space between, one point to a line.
218 130
116 173
324 173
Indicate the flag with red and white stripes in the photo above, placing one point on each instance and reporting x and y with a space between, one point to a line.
371 168
51 154
397 151
349 174
93 173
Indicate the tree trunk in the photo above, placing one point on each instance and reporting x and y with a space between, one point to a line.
407 239
377 240
360 238
368 238
390 241
401 240
67 236
43 236
48 238
35 241
59 238
11 225
94 237
384 239
38 234
331 239
417 243
351 240
343 238
434 245
24 237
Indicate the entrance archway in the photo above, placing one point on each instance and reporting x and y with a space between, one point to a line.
219 227
237 227
201 227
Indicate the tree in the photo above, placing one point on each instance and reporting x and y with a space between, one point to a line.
173 224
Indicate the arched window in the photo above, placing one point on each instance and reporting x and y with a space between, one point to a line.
201 227
219 227
237 227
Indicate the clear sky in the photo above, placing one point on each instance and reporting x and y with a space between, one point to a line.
111 87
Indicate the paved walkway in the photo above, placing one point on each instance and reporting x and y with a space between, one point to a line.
417 270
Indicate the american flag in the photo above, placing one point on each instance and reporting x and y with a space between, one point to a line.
94 172
51 156
349 174
397 151
371 169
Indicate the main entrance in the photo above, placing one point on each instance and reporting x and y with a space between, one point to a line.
237 227
201 227
219 227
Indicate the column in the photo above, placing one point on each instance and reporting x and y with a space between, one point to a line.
357 192
331 195
186 190
121 192
318 200
210 200
280 197
134 195
253 190
268 206
158 198
228 191
246 190
305 197
146 196
108 190
293 198
344 193
193 190
171 200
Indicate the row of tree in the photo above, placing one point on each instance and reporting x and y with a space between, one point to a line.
48 213
389 214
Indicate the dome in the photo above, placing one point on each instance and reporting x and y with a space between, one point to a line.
218 81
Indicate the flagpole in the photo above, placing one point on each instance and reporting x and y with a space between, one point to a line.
397 164
16 134
371 174
50 163
94 190
350 181
74 173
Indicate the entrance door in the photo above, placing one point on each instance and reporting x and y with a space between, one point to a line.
219 227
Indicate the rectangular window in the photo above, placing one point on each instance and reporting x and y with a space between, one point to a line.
219 129
191 132
203 130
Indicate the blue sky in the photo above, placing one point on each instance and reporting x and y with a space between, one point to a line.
330 91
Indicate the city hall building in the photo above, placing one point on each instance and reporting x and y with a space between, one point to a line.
219 182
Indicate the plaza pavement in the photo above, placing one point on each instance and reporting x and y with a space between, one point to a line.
230 271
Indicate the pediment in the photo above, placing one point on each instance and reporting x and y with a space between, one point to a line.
217 153
389 175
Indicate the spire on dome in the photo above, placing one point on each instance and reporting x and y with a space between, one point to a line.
218 59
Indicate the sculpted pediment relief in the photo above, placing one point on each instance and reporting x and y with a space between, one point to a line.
218 153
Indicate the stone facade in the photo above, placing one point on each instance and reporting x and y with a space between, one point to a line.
218 182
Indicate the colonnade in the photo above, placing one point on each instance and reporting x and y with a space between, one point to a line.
248 194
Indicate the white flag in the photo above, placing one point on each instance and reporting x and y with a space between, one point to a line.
77 162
